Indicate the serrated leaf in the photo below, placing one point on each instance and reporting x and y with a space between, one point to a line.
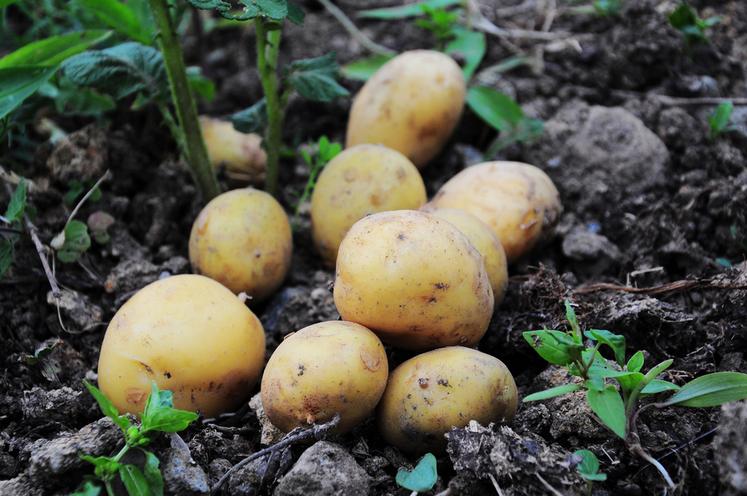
200 84
657 386
159 415
122 18
552 392
635 363
615 341
469 45
316 78
152 473
499 111
711 390
6 256
134 481
588 468
17 205
19 83
556 347
76 242
608 405
422 478
363 69
107 407
719 119
252 119
276 10
53 50
405 11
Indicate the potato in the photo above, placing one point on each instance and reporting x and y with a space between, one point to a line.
518 201
324 369
243 240
241 154
430 393
486 242
412 104
191 336
413 279
361 180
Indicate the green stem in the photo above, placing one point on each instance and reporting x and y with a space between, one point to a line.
189 131
109 488
121 453
268 49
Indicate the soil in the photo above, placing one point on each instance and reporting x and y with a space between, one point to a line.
650 200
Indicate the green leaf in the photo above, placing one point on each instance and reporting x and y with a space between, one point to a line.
122 18
159 414
608 405
658 369
614 341
719 119
6 255
200 84
471 46
588 468
53 50
686 20
363 69
635 364
296 14
75 242
499 111
107 407
422 478
5 3
105 466
88 489
152 473
556 347
19 83
327 150
252 119
277 10
711 390
315 78
683 16
17 204
409 10
659 386
73 100
134 481
552 392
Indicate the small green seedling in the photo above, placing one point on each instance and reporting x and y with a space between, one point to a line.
588 468
325 151
440 22
10 226
158 416
718 121
420 479
686 20
615 388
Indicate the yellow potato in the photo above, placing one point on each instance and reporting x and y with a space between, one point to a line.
361 180
412 104
518 201
243 240
191 336
413 279
486 242
241 154
430 393
324 369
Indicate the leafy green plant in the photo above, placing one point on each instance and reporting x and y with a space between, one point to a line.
588 466
325 151
12 220
718 121
614 388
158 416
438 21
420 479
685 19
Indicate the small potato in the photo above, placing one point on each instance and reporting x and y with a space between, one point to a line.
191 336
243 240
413 279
412 104
324 369
518 201
241 154
361 180
486 242
430 393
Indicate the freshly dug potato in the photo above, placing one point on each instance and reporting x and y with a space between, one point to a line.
324 369
243 240
190 335
412 104
518 201
241 154
414 280
430 393
486 242
361 180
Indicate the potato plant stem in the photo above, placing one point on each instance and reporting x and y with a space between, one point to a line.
186 111
268 48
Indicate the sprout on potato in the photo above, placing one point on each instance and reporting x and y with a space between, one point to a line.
412 104
325 369
361 180
243 240
191 336
413 279
241 154
430 393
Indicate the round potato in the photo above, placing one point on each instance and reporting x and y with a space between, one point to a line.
325 369
361 180
430 393
412 104
191 336
243 240
414 280
486 242
518 201
241 154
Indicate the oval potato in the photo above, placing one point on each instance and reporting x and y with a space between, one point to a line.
241 154
361 180
411 104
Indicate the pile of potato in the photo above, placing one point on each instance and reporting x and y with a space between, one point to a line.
417 276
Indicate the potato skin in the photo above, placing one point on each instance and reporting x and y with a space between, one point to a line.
241 154
361 180
518 201
430 393
191 336
243 240
323 369
486 242
412 104
413 279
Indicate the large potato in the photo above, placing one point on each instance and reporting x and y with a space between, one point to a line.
412 104
486 242
243 240
414 280
429 394
324 369
191 336
241 154
518 201
361 180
